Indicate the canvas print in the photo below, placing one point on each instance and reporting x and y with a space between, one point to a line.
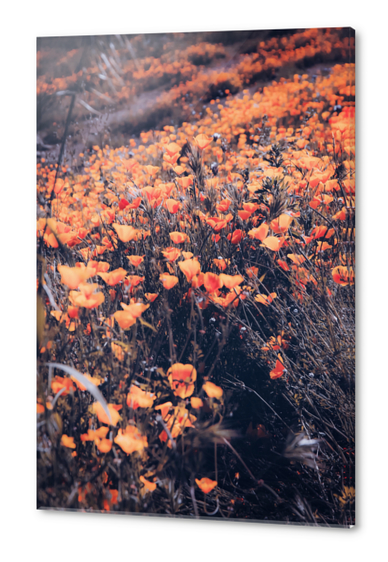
196 275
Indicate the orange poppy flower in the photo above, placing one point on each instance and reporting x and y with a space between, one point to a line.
164 408
279 369
171 254
231 281
135 260
172 206
178 237
185 181
102 416
259 233
252 271
124 319
284 265
125 232
273 243
298 260
39 408
151 296
131 440
206 485
68 441
322 246
133 280
236 236
343 275
58 383
264 299
203 141
86 297
113 277
151 486
172 148
138 398
104 445
281 224
135 309
244 215
187 255
181 378
190 268
223 206
221 264
212 390
73 276
169 281
212 282
196 402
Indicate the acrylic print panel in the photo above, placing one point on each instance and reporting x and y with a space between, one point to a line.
196 275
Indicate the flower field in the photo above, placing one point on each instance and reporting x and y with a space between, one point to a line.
196 275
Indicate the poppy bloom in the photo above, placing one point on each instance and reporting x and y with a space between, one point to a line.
296 258
171 254
231 281
178 237
150 486
102 416
169 281
124 319
259 233
236 236
151 296
104 445
343 275
203 141
281 224
273 243
176 422
187 255
133 280
135 309
223 206
206 484
68 441
264 299
196 402
73 276
221 264
172 148
279 369
181 378
99 266
138 398
190 268
125 232
135 260
284 265
131 440
86 297
172 206
212 282
122 204
252 271
212 390
113 277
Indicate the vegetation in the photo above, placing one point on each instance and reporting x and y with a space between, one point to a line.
196 281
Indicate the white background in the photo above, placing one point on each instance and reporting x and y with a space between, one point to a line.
60 536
